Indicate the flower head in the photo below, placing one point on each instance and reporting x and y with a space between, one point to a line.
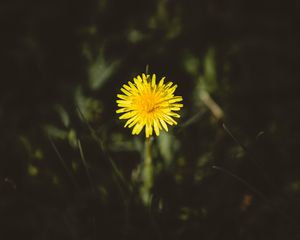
144 103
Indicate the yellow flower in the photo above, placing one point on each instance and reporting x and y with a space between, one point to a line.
148 104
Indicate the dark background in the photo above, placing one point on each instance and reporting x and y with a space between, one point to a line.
61 56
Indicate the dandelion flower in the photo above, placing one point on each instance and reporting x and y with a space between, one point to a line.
144 103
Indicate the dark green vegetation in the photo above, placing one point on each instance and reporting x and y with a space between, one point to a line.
65 176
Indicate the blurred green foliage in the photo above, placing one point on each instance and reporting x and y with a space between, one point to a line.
68 168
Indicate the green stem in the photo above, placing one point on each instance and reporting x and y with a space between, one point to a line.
147 174
148 155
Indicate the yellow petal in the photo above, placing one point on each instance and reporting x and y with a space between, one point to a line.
161 82
122 110
147 130
180 105
163 124
153 81
137 129
128 115
156 129
126 92
132 121
132 86
172 89
168 85
121 96
175 99
174 115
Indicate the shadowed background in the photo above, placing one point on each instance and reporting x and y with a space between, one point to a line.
67 163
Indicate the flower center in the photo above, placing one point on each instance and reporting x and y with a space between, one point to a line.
148 104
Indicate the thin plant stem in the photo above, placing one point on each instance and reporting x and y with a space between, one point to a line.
147 173
119 176
148 155
85 165
63 163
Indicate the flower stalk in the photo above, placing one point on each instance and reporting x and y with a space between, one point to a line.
147 174
152 105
